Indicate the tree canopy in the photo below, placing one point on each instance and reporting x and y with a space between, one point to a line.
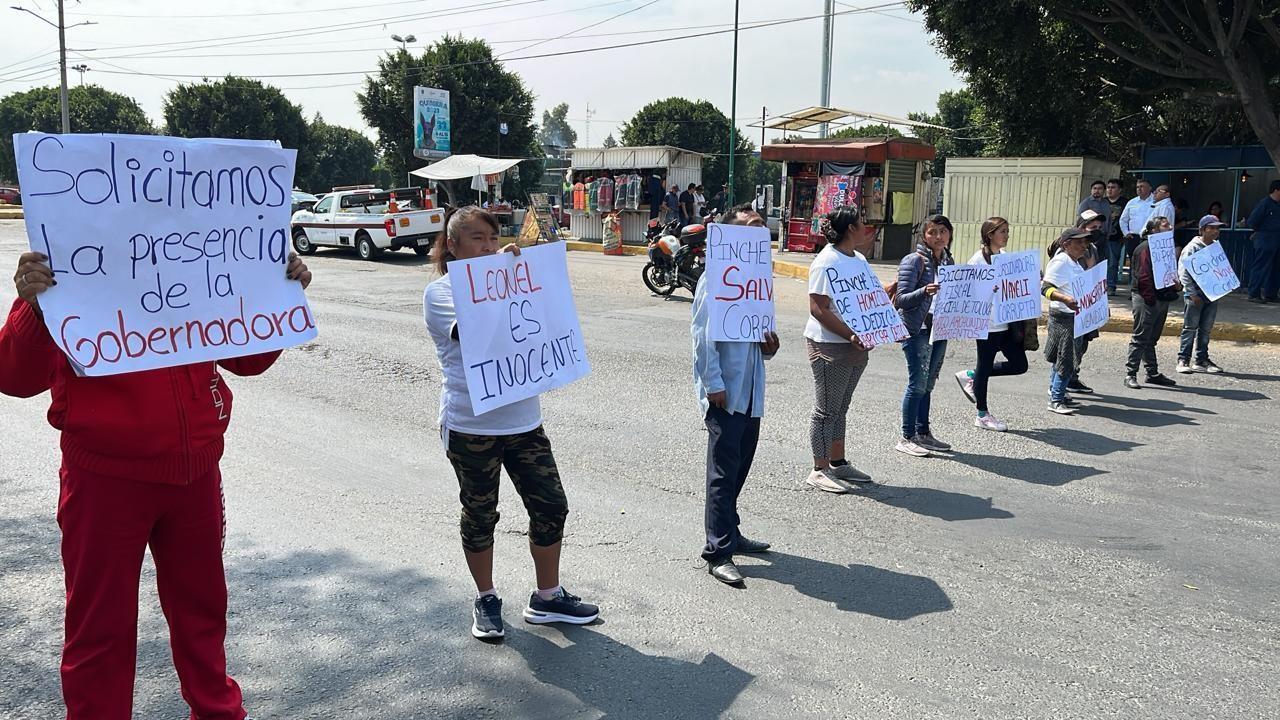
92 109
958 110
697 126
872 130
340 156
555 129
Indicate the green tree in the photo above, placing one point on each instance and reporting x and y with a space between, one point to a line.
236 107
555 129
92 109
873 130
340 156
609 142
959 111
697 126
481 94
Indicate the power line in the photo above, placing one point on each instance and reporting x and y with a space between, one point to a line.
584 27
310 11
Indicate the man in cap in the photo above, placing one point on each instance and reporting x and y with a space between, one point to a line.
1200 312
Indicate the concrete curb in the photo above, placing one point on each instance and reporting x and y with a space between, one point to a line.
10 213
598 248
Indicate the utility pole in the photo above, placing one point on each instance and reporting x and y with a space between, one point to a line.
586 136
82 69
61 26
827 19
764 116
733 107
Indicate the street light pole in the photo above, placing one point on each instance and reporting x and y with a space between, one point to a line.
826 59
62 67
82 69
404 41
733 107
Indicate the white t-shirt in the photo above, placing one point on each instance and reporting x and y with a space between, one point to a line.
455 403
820 285
980 259
1058 273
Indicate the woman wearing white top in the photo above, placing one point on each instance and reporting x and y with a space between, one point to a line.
837 357
1001 338
1061 348
480 445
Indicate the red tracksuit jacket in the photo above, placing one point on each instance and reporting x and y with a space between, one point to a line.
162 426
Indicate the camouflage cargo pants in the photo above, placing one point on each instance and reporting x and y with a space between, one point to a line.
478 461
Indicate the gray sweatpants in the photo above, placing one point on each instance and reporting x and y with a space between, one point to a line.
1148 326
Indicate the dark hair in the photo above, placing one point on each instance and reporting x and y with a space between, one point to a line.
730 216
1095 183
837 222
937 220
992 224
1275 185
1153 223
1216 202
1144 180
1116 182
454 219
692 186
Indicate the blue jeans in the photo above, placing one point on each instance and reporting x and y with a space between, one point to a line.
1197 327
1115 258
924 362
1058 385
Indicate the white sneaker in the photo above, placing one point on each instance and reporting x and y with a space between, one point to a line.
848 472
1061 408
1185 368
820 480
989 422
966 385
910 448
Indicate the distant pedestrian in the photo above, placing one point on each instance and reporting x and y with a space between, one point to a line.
1200 312
1093 222
917 286
836 356
688 206
700 201
1115 234
1264 273
729 379
720 202
653 189
1162 205
1096 200
1061 348
1002 338
671 206
480 445
1150 309
1134 217
1215 209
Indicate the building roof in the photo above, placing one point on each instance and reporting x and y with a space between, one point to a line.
870 149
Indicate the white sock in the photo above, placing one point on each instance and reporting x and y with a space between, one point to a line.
490 591
549 592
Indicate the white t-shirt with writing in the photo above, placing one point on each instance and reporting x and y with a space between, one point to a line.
455 403
980 259
819 284
1059 272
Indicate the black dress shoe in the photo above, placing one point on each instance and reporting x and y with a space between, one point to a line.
1077 386
747 545
1161 380
1131 382
725 571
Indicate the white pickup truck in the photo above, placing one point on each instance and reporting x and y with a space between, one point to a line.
361 219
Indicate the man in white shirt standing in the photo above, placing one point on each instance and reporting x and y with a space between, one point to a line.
1162 205
1134 217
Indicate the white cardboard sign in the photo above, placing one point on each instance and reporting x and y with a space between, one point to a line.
1018 275
739 282
1164 260
860 300
167 251
962 307
1212 271
517 324
1089 288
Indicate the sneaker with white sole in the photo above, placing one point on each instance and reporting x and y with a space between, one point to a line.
561 608
1185 368
990 422
909 447
848 472
826 483
1208 366
966 385
1061 408
928 441
486 617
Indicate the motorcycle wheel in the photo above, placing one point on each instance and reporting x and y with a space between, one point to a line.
653 280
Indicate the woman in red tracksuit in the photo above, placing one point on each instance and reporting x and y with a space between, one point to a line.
140 456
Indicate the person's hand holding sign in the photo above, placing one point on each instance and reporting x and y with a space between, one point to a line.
297 270
769 346
33 277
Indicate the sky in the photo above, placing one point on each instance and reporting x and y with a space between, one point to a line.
316 51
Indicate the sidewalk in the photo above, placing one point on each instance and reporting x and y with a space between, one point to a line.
1238 319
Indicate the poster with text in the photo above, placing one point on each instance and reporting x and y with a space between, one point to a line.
167 251
739 282
860 300
431 125
517 324
1089 288
962 307
1164 259
1212 271
1018 275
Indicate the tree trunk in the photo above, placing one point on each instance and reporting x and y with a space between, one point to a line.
1247 76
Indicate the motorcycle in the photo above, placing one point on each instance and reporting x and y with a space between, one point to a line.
675 262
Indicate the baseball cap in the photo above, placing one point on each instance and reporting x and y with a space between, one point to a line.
1091 215
1071 234
1211 220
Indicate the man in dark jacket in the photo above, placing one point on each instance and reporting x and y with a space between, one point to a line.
1264 275
1150 308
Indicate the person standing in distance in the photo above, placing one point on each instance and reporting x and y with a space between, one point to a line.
1095 201
1150 309
1264 274
688 206
140 456
1115 235
917 286
1200 312
1061 349
479 446
1134 218
729 379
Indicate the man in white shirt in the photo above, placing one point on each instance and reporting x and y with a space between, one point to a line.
1162 205
1134 218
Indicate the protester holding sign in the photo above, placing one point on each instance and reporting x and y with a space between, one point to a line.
480 445
916 288
729 379
1150 308
1201 310
1060 347
1002 337
836 355
140 453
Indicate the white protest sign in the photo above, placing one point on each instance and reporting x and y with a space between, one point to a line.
1212 271
962 307
167 251
739 282
860 300
1089 288
517 324
1164 260
1019 280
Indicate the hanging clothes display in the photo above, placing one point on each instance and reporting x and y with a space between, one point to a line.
604 202
579 196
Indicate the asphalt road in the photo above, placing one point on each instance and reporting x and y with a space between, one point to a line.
1120 563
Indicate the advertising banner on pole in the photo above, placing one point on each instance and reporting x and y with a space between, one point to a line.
431 123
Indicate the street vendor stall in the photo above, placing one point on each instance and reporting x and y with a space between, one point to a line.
486 175
620 181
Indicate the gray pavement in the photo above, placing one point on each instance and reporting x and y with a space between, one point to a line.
1120 563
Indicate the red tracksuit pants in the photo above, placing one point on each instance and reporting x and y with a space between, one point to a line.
107 524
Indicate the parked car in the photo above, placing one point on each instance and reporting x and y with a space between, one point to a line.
361 219
10 196
303 200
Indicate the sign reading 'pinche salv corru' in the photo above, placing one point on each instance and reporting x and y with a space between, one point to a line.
166 251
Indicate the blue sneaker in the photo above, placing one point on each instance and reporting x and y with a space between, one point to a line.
563 608
486 618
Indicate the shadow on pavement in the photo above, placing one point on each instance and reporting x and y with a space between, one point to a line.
623 682
1252 376
1147 403
1086 443
854 588
1036 471
941 504
1134 416
1223 393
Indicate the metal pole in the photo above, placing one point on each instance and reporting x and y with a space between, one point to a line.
764 115
827 19
62 65
733 108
